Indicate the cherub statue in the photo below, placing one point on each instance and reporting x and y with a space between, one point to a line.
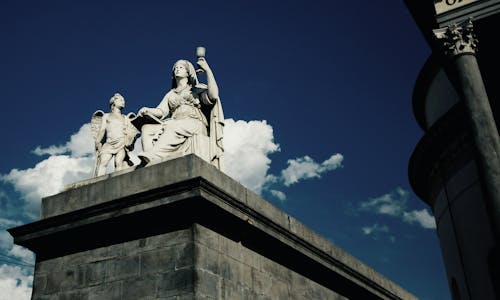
114 136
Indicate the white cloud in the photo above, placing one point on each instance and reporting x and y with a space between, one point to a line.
80 144
48 177
374 230
331 163
7 246
15 280
270 178
305 168
5 240
22 254
421 217
247 146
14 253
66 164
394 204
6 223
51 150
278 194
15 283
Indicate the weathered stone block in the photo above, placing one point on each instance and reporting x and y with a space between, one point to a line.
95 273
73 295
160 260
40 282
207 284
122 267
169 239
108 291
65 279
176 283
261 282
141 288
206 259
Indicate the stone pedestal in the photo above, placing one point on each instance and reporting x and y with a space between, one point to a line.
184 230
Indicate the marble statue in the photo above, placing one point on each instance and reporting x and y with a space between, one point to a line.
189 119
114 136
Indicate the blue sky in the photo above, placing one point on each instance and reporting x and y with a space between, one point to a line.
318 93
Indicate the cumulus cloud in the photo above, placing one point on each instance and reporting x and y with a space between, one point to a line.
305 168
421 217
66 164
14 252
6 223
51 150
377 231
48 177
247 146
392 204
395 204
299 169
15 265
22 254
15 282
278 194
374 229
80 144
6 240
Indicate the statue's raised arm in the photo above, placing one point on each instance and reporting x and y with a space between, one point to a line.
192 118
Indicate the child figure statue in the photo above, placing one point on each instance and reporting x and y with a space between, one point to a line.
114 136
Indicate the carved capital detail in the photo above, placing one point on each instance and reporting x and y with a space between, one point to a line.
458 38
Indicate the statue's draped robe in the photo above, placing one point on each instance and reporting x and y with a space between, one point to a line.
191 114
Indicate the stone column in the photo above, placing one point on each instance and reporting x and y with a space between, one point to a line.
460 47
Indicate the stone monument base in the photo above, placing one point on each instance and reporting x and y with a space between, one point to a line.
184 230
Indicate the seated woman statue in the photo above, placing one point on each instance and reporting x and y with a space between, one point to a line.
189 114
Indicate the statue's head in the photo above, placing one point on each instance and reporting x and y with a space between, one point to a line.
184 68
117 100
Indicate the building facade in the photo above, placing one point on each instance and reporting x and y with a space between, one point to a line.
455 166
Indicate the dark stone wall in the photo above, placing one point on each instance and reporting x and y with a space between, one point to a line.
158 267
226 269
194 263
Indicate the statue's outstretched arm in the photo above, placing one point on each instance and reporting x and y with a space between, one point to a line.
160 111
213 89
154 111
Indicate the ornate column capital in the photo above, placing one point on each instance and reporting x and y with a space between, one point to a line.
457 38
